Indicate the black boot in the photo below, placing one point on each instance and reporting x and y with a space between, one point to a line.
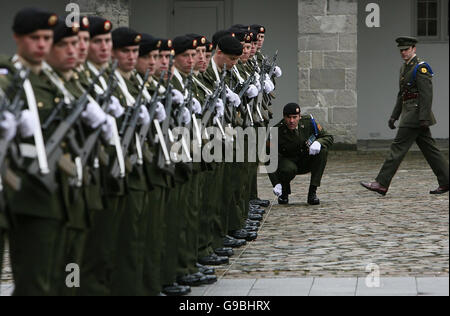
312 196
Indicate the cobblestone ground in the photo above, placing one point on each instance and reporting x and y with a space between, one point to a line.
404 233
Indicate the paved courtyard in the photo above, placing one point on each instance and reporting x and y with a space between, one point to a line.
332 248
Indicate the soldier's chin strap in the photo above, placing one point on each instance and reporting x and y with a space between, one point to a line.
32 106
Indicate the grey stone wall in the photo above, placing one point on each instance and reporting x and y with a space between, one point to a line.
327 65
117 11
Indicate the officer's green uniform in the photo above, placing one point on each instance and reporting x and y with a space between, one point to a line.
414 102
37 238
293 154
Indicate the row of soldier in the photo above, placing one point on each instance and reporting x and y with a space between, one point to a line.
88 177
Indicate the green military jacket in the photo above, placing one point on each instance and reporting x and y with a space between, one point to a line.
137 179
39 202
414 109
292 144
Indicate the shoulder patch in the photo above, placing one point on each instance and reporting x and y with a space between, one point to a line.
424 70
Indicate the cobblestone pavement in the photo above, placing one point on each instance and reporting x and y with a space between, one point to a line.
404 233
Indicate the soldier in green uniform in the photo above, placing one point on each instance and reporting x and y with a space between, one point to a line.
36 237
414 102
302 148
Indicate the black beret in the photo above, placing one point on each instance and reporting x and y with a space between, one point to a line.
164 44
254 36
124 37
257 28
291 109
239 33
30 20
406 42
209 47
183 43
99 26
148 44
84 24
62 31
231 46
218 36
248 38
201 40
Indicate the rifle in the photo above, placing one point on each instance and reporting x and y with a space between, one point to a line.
91 142
163 163
128 128
53 147
211 101
15 108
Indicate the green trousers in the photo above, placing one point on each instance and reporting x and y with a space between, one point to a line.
215 203
155 241
171 235
239 189
205 237
2 249
400 147
128 275
288 169
36 257
99 261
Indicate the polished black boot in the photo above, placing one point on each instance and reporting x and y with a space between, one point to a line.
312 196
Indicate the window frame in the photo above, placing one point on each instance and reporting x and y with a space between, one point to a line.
442 23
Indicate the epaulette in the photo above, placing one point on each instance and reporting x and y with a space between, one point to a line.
424 68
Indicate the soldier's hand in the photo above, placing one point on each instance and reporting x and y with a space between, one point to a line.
278 190
196 106
277 72
391 123
144 116
93 116
424 124
186 116
252 91
27 124
115 108
160 112
177 97
315 148
107 129
8 127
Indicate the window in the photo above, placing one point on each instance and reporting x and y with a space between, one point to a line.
431 20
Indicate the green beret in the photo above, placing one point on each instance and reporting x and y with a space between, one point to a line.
148 44
30 20
406 42
99 26
291 109
231 46
124 37
183 43
62 31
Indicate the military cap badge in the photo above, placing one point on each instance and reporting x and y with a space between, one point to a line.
85 22
194 43
159 44
107 26
75 28
138 39
169 43
53 20
203 40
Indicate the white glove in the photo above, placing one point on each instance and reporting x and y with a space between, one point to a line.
115 108
233 98
196 106
27 124
160 112
107 129
277 72
186 116
177 97
220 108
268 86
144 116
8 127
315 148
278 190
252 91
258 85
93 116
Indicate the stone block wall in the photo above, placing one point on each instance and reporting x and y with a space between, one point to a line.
327 65
117 11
